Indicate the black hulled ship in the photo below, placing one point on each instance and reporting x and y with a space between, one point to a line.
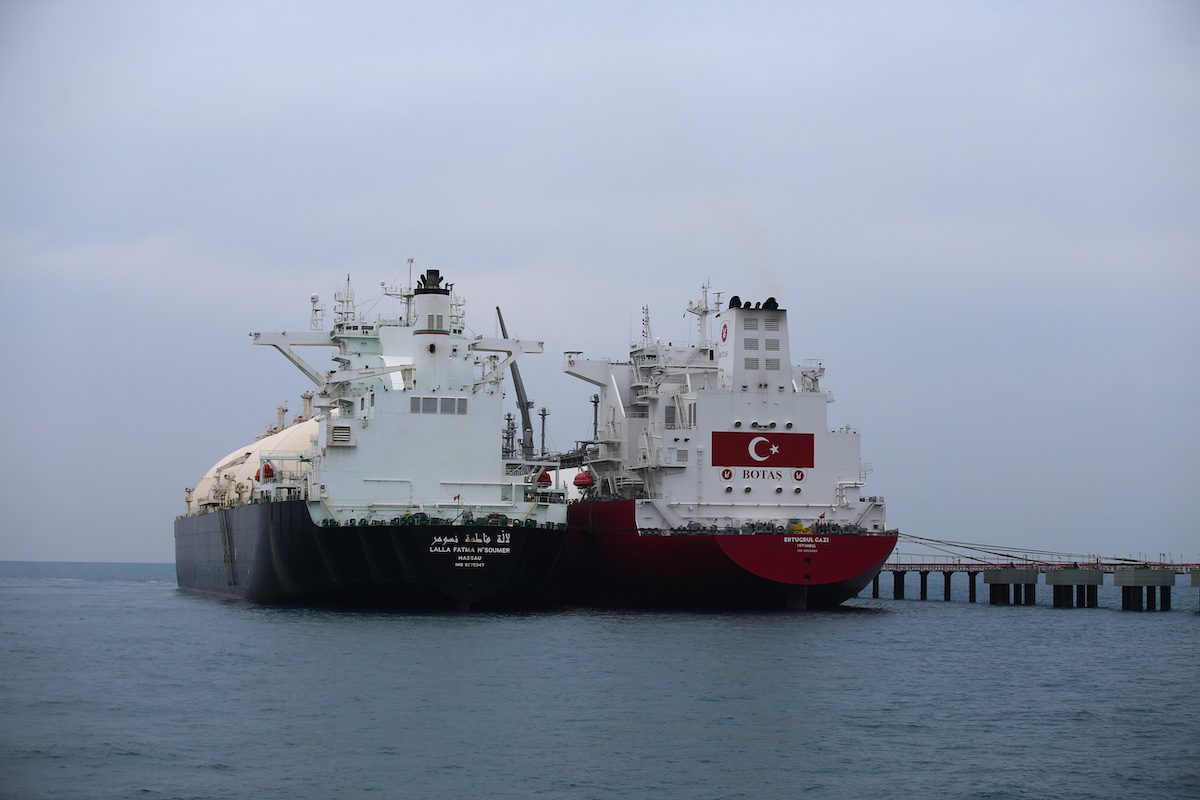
392 487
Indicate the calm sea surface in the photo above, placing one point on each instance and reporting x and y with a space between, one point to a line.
114 684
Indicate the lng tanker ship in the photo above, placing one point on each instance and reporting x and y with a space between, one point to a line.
713 479
392 487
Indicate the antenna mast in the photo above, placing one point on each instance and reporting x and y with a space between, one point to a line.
702 310
345 303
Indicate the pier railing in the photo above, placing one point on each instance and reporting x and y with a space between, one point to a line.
934 564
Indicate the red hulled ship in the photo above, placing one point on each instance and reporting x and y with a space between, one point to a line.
713 479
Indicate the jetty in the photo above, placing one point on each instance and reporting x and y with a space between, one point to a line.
1012 578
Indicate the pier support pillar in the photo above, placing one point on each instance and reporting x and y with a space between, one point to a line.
946 586
875 586
1011 582
1135 580
924 585
898 585
1164 598
1031 594
1135 598
1074 585
1093 596
971 590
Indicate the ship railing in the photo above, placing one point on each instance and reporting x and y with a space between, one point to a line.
531 468
293 492
285 477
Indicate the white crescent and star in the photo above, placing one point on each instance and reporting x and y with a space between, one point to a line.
752 448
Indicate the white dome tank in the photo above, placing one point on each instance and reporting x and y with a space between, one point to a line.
234 478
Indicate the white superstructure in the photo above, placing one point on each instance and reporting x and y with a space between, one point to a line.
409 421
725 434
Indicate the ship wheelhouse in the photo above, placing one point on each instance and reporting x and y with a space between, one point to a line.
725 435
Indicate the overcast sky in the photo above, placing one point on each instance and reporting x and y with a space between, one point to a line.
984 216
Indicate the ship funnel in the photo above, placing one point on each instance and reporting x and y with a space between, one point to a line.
431 283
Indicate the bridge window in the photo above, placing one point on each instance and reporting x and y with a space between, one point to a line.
438 405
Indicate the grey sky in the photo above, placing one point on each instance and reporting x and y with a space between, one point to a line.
985 217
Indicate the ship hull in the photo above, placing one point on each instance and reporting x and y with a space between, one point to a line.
607 561
273 553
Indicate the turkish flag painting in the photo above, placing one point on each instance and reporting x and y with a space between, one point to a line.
765 449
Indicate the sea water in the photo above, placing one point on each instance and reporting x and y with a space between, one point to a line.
114 684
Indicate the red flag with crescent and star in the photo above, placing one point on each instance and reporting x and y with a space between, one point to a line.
766 449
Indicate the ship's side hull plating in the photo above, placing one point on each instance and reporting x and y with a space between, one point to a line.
608 561
273 553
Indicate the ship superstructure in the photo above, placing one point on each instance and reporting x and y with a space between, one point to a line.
721 447
396 464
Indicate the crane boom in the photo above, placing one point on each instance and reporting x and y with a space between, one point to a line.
523 402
